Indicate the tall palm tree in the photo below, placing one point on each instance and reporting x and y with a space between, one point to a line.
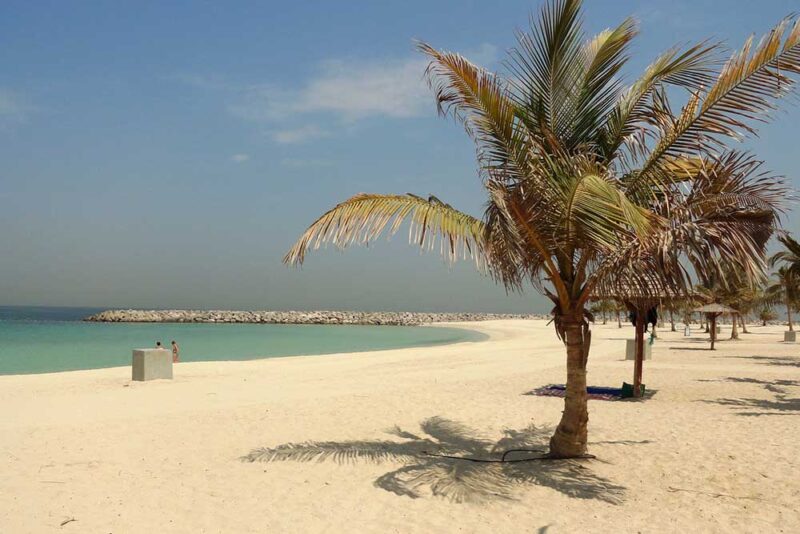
591 183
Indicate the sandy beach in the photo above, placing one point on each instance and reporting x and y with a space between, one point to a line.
713 450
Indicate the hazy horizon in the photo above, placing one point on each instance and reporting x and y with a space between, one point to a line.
167 156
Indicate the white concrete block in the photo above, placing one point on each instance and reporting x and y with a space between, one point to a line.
790 336
630 349
687 331
151 364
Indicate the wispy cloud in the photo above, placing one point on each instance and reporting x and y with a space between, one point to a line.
350 90
298 135
240 158
343 91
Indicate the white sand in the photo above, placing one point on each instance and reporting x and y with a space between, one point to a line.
715 450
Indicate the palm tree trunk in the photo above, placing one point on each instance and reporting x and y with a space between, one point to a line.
570 437
744 324
734 330
672 320
789 314
639 361
619 319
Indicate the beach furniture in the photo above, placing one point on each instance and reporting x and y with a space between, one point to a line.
151 364
630 350
790 336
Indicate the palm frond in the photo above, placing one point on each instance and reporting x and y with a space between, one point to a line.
600 213
692 69
547 65
599 89
790 257
746 90
362 218
480 101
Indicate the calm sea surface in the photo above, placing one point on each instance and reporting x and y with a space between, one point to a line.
44 340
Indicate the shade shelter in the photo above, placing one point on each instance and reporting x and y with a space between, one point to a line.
639 300
713 311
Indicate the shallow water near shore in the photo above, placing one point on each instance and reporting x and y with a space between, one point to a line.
45 340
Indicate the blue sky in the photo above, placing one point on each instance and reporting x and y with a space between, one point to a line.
166 154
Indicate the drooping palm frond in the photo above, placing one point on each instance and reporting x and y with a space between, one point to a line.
724 218
362 218
479 100
600 214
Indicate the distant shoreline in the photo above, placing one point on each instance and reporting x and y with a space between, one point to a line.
297 317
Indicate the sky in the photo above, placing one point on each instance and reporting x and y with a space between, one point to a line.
167 154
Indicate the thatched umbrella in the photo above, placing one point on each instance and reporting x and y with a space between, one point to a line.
713 311
639 300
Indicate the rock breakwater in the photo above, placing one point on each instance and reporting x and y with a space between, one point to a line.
294 317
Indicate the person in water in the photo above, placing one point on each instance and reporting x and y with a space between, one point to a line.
175 353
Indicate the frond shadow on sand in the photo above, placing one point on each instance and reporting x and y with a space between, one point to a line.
780 404
424 472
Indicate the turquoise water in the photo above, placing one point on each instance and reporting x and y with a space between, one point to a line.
44 340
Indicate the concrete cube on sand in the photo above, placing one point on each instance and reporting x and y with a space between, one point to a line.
151 364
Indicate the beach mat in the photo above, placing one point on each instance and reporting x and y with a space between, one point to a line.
594 392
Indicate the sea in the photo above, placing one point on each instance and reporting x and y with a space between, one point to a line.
50 339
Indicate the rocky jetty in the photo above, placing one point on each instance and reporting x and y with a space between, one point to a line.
293 317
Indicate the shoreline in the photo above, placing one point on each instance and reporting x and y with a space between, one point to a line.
466 326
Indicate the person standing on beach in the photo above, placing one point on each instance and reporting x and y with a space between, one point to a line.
158 345
175 353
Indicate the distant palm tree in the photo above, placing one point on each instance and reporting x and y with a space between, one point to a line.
786 288
788 276
734 291
603 307
591 183
767 314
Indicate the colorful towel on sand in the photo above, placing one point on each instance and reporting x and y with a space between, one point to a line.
594 392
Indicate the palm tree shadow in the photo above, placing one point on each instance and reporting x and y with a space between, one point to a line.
425 472
780 361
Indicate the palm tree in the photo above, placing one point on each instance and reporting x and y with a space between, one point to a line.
786 288
591 183
733 291
603 307
767 314
788 275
